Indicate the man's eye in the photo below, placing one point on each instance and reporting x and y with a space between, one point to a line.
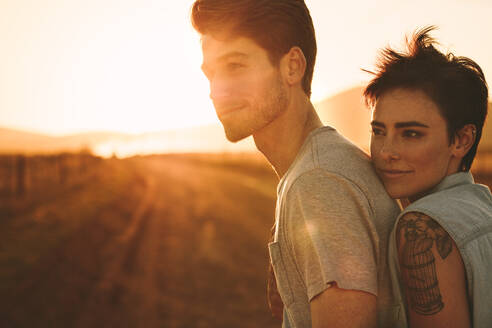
234 66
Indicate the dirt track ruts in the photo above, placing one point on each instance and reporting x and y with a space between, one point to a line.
191 252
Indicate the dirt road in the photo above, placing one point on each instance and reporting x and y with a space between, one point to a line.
183 245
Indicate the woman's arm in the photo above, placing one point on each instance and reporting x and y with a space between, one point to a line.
432 273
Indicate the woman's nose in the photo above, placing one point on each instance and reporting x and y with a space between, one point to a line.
389 150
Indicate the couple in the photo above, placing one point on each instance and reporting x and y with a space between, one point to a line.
343 253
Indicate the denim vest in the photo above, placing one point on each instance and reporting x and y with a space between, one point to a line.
464 209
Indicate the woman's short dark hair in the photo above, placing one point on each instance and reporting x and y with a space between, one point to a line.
455 84
275 25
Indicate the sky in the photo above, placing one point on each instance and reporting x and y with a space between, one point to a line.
133 66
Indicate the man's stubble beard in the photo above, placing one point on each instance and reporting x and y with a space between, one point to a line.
258 113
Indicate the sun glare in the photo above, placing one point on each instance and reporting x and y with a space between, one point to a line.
146 81
84 67
134 66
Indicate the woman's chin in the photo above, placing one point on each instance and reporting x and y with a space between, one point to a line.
396 193
401 196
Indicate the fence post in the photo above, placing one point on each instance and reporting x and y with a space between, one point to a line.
21 175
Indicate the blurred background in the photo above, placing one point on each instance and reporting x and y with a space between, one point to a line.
121 202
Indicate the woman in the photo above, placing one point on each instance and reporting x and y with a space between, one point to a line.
428 112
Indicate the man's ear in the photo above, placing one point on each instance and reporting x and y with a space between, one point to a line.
293 66
464 140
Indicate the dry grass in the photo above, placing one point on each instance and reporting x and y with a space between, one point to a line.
155 241
160 241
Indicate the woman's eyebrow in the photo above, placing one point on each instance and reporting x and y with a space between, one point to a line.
379 124
410 124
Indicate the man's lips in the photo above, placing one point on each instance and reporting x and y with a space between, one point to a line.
222 111
393 174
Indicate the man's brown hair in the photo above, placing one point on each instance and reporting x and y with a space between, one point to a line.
275 25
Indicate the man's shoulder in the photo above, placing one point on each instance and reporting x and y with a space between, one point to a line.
329 153
327 149
334 151
330 161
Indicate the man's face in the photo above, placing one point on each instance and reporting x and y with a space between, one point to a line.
246 89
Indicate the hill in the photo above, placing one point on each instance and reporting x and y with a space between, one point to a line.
345 111
486 142
210 138
16 141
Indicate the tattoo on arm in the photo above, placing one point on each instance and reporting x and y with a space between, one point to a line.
417 263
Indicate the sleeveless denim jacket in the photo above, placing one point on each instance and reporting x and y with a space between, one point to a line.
464 209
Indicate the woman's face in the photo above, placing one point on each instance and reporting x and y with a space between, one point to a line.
410 146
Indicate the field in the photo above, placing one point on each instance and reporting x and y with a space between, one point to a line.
154 241
158 241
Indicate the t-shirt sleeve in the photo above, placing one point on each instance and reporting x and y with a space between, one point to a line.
331 234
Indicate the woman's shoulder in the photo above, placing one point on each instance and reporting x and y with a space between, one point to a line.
466 198
463 216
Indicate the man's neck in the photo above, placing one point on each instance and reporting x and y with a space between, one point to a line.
282 139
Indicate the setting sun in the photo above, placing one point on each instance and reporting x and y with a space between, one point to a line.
84 66
133 67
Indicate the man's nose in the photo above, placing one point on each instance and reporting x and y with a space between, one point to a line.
220 89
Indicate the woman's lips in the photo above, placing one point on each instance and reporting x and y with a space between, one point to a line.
393 174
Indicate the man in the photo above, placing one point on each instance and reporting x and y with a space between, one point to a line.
333 216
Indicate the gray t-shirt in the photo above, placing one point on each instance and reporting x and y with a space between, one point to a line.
333 220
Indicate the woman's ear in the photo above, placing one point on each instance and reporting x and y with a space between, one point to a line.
464 140
293 66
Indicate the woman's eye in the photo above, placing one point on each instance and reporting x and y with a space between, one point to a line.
377 132
411 134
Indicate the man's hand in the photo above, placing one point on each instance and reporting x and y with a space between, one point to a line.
336 307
